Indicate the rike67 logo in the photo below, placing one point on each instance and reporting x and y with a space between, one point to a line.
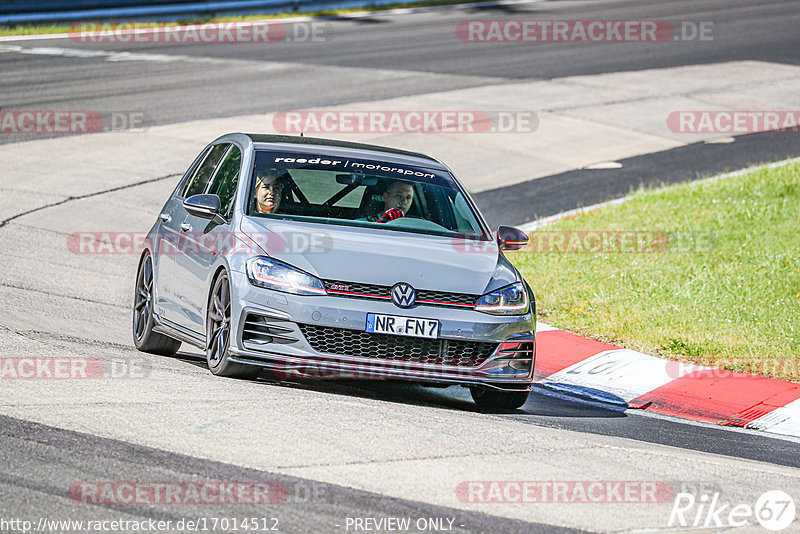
774 510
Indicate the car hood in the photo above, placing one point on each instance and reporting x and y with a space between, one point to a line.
383 257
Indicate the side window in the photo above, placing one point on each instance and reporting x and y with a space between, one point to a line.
191 171
224 184
198 183
465 219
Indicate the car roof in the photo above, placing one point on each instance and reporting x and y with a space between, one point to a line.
313 142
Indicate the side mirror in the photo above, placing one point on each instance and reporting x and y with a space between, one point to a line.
205 206
510 238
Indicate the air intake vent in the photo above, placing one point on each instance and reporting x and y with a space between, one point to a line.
259 331
397 348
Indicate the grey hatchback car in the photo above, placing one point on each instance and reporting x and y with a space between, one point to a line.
321 258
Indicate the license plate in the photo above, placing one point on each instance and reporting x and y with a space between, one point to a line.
402 326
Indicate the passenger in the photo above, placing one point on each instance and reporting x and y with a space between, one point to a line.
397 201
269 187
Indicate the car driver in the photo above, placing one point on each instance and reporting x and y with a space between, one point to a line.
397 200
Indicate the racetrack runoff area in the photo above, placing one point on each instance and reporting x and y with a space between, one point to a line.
57 303
721 306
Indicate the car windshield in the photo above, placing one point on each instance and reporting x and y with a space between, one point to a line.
356 192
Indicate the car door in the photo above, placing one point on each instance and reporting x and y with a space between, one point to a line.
180 232
205 239
167 241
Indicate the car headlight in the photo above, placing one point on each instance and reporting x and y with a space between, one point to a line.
273 274
509 300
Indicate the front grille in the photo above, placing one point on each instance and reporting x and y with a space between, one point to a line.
347 342
355 289
449 298
424 296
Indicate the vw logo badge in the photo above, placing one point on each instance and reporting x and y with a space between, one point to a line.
403 295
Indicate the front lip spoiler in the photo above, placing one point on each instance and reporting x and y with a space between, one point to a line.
377 369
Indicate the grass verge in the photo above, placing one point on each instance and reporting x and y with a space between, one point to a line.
707 273
46 29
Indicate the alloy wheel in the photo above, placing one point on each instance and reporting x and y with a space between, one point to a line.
143 302
219 322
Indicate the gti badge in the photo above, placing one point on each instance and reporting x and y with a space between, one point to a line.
403 295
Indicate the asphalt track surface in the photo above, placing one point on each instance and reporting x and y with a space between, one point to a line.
40 461
359 60
534 199
308 506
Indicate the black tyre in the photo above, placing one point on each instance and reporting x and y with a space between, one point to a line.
498 400
218 333
143 336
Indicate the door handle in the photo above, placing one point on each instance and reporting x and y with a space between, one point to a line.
165 217
186 227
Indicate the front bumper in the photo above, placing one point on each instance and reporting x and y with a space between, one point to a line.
269 332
